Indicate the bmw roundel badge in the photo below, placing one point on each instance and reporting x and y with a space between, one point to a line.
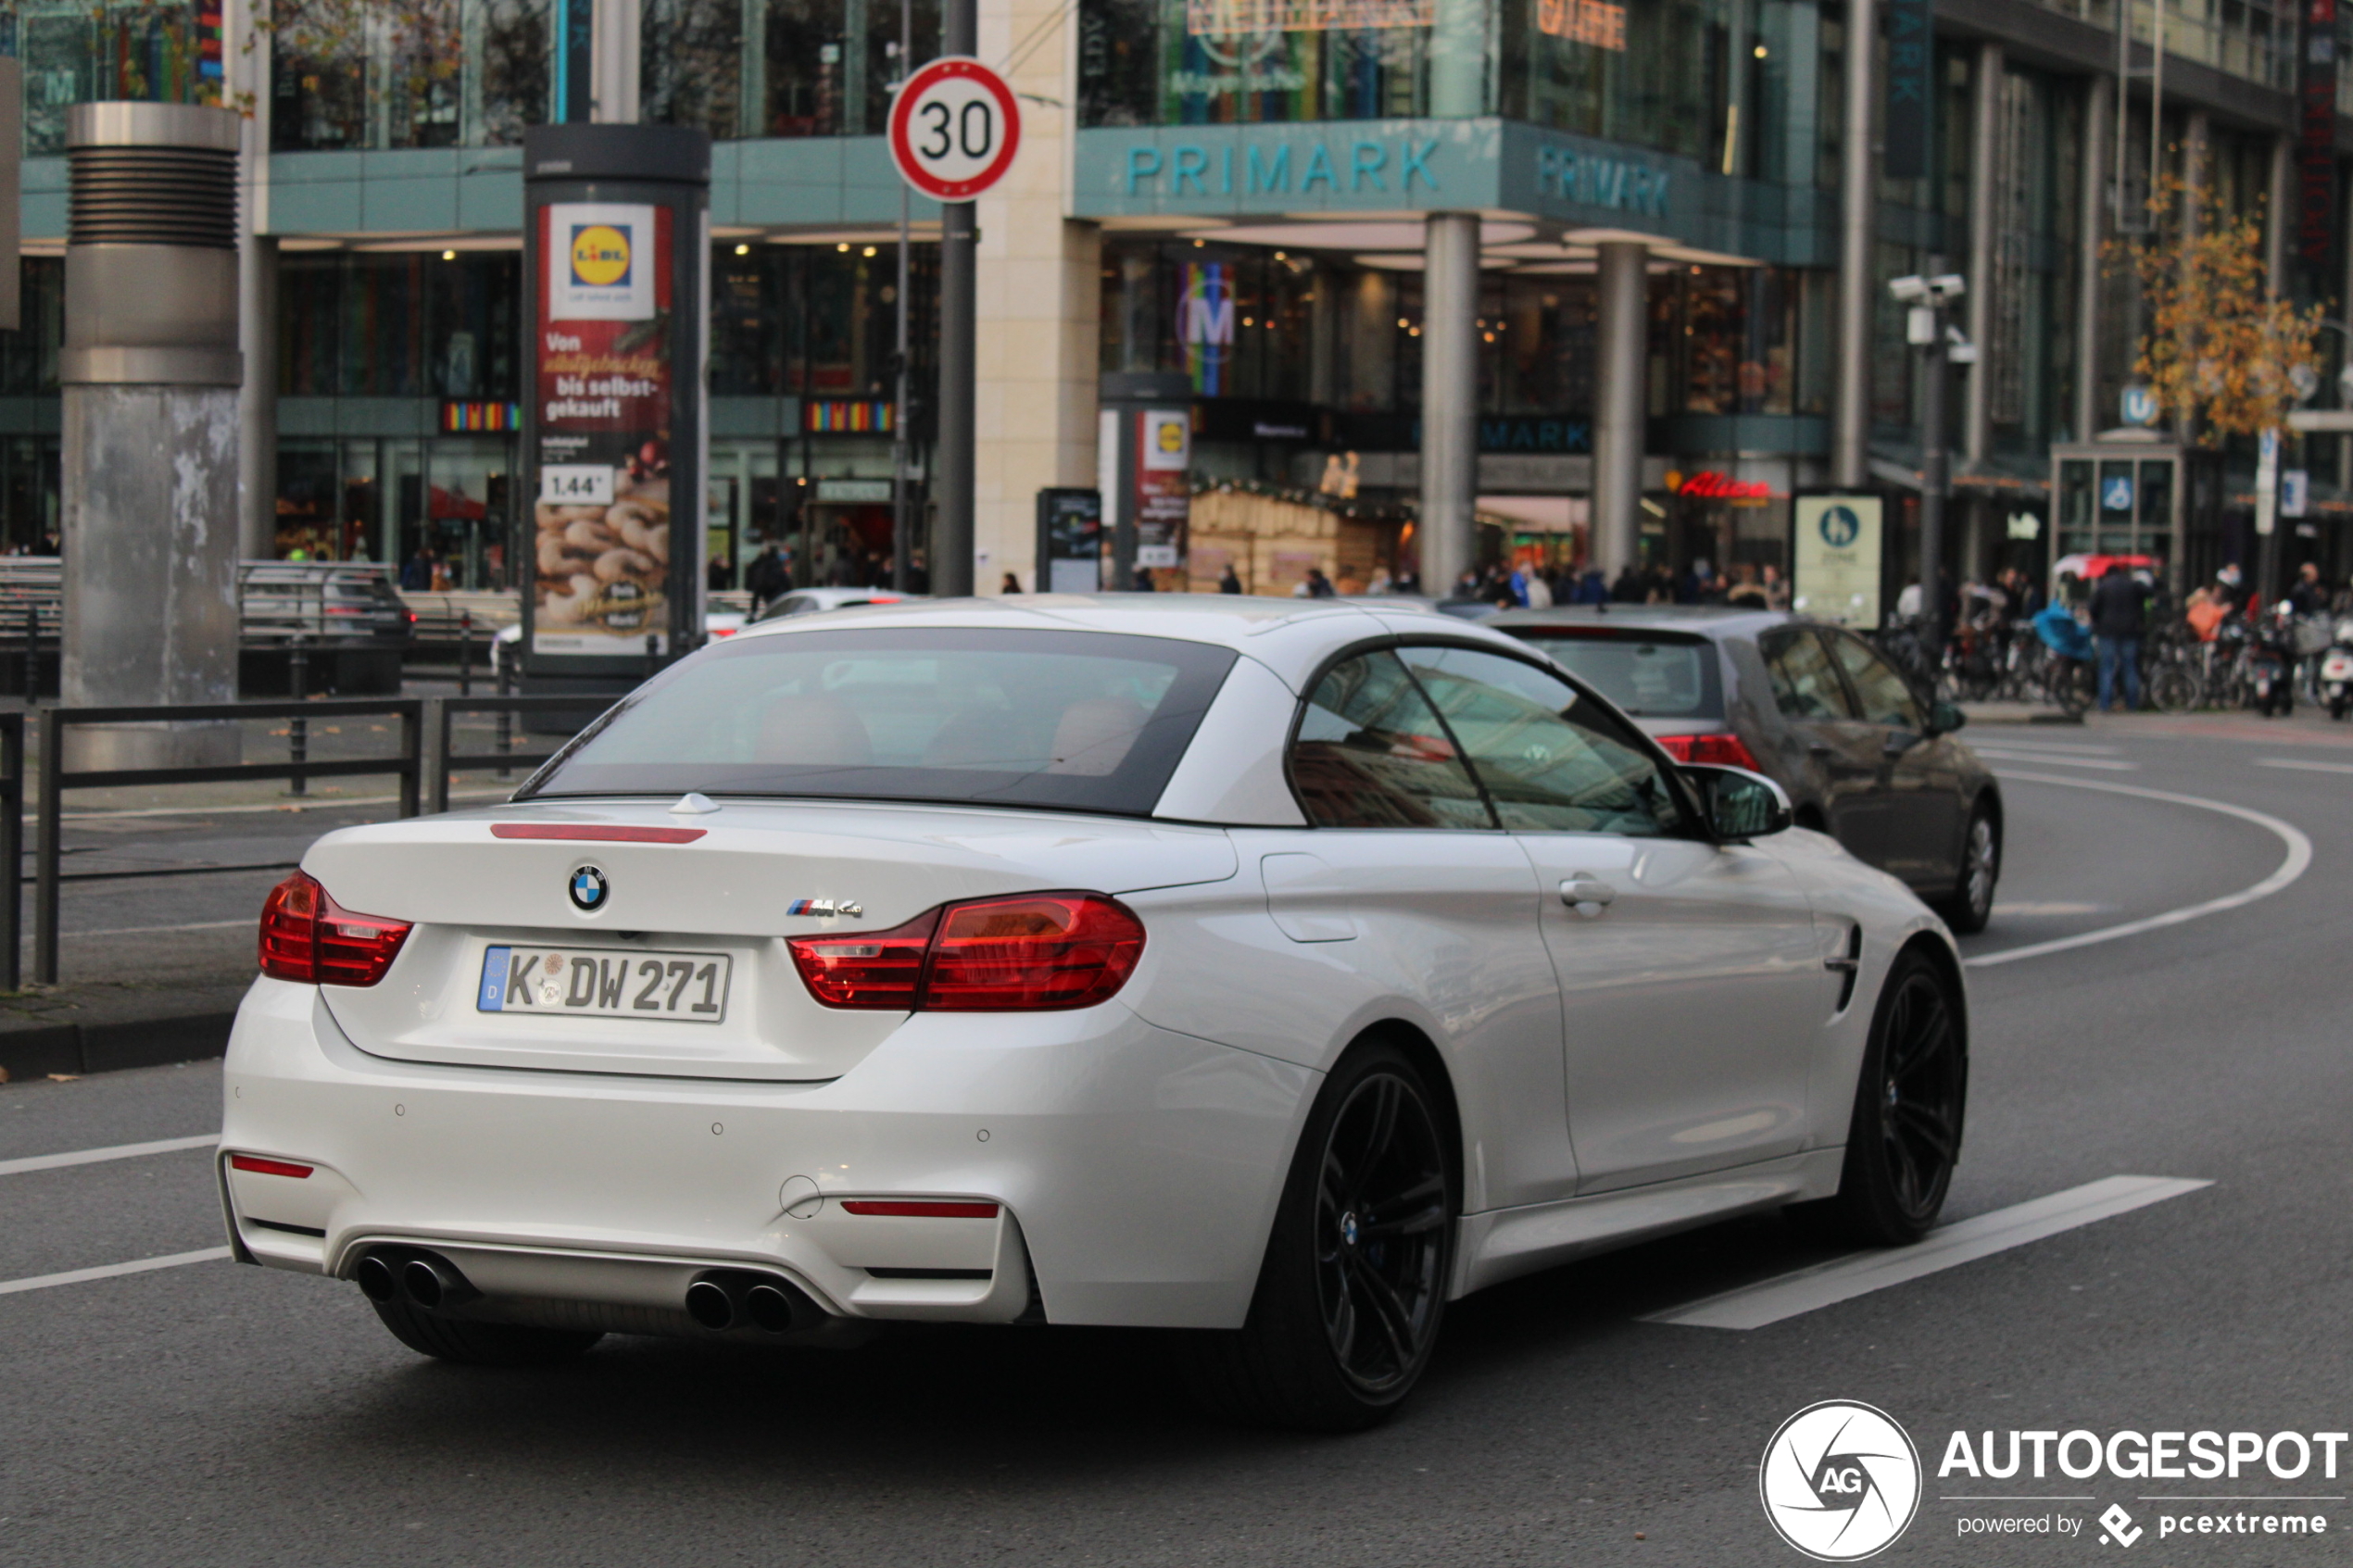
589 889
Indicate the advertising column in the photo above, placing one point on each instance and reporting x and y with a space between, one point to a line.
616 261
1144 463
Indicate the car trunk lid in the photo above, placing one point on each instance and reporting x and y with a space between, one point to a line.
489 909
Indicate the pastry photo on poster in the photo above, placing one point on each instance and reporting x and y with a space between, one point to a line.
601 517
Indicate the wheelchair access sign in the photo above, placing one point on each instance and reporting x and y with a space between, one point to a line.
2115 493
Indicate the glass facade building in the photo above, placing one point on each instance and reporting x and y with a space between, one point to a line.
1245 203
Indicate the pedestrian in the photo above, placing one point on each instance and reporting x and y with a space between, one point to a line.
417 575
767 578
1012 584
1141 580
1629 588
2119 614
2308 594
716 578
1230 581
1320 586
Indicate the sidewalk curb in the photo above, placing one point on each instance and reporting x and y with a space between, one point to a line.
110 1047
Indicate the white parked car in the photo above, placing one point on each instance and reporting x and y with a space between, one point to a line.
1277 970
814 601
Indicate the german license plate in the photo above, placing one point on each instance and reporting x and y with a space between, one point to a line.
686 988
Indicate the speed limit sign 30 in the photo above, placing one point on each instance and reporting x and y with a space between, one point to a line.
955 129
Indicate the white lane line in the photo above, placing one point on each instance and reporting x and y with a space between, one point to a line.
109 1271
151 930
1842 1279
2308 767
94 1156
2065 748
2292 865
2101 762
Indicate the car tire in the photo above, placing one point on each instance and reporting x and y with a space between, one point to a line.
482 1344
1353 1285
1970 903
1904 1136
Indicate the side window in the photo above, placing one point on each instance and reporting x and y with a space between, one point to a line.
1372 753
1886 696
1553 759
1804 685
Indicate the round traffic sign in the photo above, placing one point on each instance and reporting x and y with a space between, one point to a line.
954 128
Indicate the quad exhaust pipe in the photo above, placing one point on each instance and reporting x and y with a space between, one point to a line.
721 1299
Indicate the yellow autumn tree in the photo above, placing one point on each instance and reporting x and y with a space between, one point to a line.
2221 349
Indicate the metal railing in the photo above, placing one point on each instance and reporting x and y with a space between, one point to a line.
56 779
422 762
502 755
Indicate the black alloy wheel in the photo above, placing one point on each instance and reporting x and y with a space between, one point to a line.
1353 1286
1380 1219
1970 903
1905 1137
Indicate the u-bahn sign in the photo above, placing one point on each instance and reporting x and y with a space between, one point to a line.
954 128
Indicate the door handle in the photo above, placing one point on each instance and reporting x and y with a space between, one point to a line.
1585 888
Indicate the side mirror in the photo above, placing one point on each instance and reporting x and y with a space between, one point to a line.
1943 719
1740 805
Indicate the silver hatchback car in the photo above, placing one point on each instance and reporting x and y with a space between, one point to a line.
1863 755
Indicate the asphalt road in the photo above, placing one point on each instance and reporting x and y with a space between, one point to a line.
212 1413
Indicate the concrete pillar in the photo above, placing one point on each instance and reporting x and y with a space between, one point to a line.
258 398
1039 294
1450 400
151 376
1458 60
1984 241
2091 228
1858 176
1621 350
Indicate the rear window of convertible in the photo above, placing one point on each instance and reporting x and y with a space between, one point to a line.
1080 721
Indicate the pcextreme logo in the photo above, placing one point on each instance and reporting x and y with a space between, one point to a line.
1840 1481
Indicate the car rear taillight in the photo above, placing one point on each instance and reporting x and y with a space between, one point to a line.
1721 750
869 969
306 937
1034 952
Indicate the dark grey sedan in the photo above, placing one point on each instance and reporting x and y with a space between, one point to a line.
1864 755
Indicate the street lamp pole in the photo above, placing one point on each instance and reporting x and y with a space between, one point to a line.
1940 346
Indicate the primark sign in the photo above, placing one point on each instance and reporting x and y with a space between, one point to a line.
1265 171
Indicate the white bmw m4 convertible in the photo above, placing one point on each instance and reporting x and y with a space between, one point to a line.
1274 970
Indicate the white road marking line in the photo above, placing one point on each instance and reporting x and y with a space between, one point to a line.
2101 762
1842 1279
2298 860
94 1156
109 1271
2306 767
151 930
2061 748
2049 909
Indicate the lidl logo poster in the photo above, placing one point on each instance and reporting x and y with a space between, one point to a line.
600 261
599 255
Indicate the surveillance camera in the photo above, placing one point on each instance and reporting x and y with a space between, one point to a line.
1910 291
1948 287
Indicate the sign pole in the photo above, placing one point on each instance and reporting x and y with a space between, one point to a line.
955 129
951 563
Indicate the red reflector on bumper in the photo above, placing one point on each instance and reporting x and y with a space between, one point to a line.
595 834
261 1167
917 1210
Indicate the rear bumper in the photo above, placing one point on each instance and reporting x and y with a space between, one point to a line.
1137 1169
